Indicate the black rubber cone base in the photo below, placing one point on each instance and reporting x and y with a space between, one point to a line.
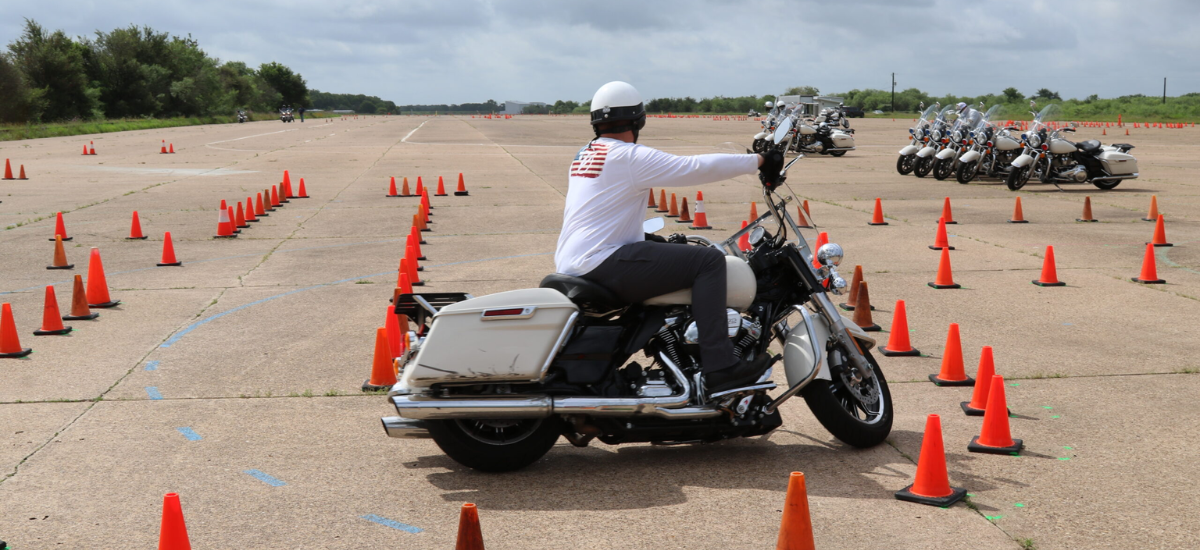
172 264
889 353
136 238
113 303
1163 244
392 196
884 223
423 241
705 228
931 247
949 222
971 411
1149 282
368 387
87 317
420 268
65 239
975 447
941 287
1148 220
22 353
263 215
426 230
40 332
68 266
441 195
299 197
461 193
872 328
670 216
848 307
956 494
233 236
419 283
255 220
1039 283
968 382
1083 220
1018 221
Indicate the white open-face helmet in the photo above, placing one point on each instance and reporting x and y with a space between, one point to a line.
961 106
618 102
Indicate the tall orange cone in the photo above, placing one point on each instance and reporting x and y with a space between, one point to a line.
404 189
743 242
801 221
239 217
97 286
60 228
303 193
410 252
168 253
953 373
795 529
91 148
22 175
171 148
877 216
275 197
162 149
983 383
413 241
1049 271
383 371
403 285
807 212
250 216
852 296
287 185
441 190
411 266
822 239
947 213
662 201
1087 211
60 256
932 483
701 220
259 211
941 241
173 534
79 303
862 310
392 324
753 211
10 342
7 170
684 215
392 188
651 203
224 225
419 220
416 230
470 536
1018 215
51 319
1160 233
1149 274
420 187
267 206
1152 216
426 206
995 437
462 187
945 278
233 219
673 212
898 341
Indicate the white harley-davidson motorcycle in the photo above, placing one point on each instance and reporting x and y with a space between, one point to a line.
496 380
992 148
1050 158
919 136
819 135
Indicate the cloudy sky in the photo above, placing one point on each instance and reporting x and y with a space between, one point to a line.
454 51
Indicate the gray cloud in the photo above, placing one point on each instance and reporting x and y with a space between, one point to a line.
425 51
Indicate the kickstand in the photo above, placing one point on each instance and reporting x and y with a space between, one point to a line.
1059 187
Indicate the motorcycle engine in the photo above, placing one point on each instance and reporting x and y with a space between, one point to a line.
743 331
1077 174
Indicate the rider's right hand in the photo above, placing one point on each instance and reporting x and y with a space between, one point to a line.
768 172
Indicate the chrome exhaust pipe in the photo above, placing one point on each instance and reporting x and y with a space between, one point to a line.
402 428
429 408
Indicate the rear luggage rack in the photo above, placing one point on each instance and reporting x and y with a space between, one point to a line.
421 307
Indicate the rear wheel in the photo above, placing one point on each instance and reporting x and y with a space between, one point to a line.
837 153
924 165
905 164
496 445
859 413
943 168
967 171
1107 185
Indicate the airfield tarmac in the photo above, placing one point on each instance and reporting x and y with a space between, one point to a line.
249 358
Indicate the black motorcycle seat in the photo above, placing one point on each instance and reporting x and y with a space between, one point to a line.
1090 146
1123 147
589 296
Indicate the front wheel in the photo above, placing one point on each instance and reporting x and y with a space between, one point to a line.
496 445
924 165
760 146
1018 177
858 414
967 172
905 164
943 168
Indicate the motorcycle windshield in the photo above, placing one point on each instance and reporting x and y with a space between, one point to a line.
948 114
927 116
1049 113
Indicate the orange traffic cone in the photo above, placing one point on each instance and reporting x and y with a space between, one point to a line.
1087 211
947 213
91 148
135 229
287 185
945 278
168 253
1018 216
801 221
419 221
79 303
684 215
409 267
743 242
673 212
651 203
171 148
232 219
162 149
224 225
7 170
470 537
383 373
410 252
701 220
250 216
392 324
414 241
1049 272
941 241
173 534
60 228
1160 233
862 310
877 217
417 231
822 239
51 319
275 197
753 211
852 297
953 372
267 206
60 256
10 342
22 175
462 187
97 286
85 150
662 201
995 437
404 189
403 285
259 211
420 187
795 529
1149 274
932 483
1104 132
983 383
239 217
441 190
426 206
807 212
303 192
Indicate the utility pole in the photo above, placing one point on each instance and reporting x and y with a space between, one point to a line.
1164 90
893 109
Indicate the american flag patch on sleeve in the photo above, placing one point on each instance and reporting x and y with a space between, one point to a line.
589 161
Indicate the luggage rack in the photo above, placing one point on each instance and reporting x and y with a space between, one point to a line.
421 307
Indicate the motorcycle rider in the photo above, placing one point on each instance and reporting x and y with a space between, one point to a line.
602 240
968 117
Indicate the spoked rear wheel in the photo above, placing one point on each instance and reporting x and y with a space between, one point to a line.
858 412
496 445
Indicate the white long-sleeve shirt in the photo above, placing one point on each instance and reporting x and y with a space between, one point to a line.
609 184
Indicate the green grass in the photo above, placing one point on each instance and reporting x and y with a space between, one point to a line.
13 132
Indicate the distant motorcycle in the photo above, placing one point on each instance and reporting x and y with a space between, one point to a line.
939 138
919 136
285 114
992 151
1051 158
241 116
815 135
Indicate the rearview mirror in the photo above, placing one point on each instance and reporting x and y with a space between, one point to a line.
653 225
782 131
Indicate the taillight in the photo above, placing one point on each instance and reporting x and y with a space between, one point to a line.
508 313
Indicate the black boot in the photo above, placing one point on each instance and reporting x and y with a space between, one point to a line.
743 373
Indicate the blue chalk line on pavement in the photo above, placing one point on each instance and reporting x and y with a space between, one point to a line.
274 482
151 365
392 523
152 392
189 433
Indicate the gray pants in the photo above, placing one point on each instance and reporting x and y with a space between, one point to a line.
639 271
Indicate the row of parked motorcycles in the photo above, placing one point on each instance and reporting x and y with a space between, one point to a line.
827 133
970 143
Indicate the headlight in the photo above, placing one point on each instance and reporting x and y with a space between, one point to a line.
830 254
1034 141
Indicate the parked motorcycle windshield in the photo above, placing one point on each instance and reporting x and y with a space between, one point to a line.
782 131
1050 113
